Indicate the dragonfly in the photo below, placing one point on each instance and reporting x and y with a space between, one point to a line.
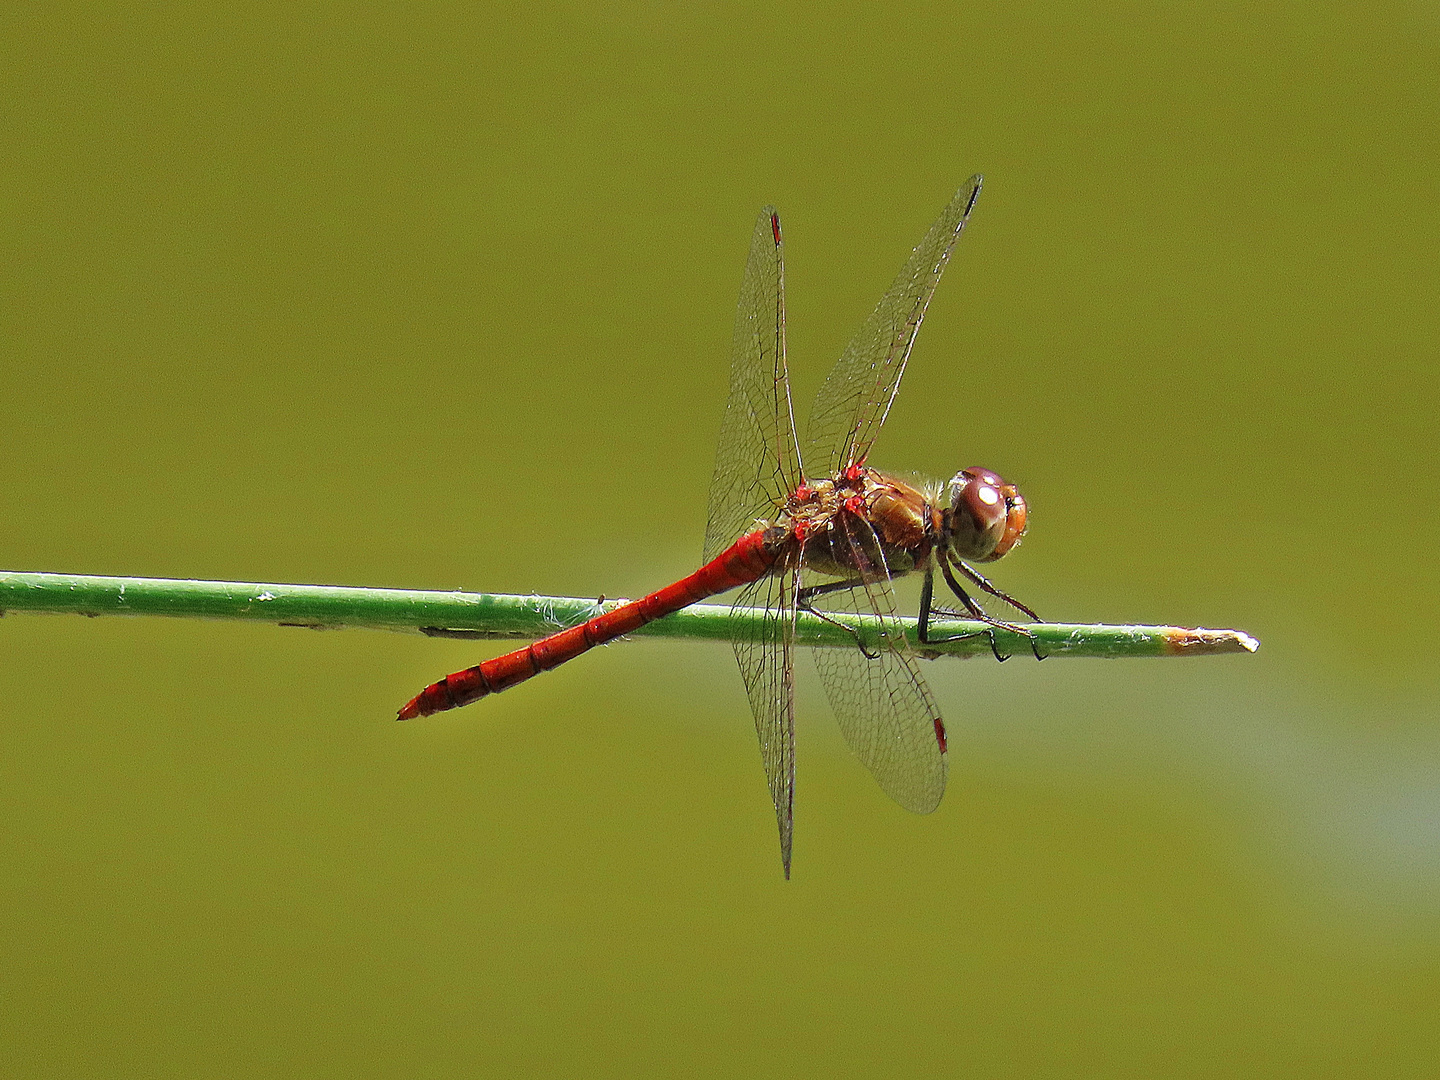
816 529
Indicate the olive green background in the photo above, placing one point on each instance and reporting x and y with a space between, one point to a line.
441 297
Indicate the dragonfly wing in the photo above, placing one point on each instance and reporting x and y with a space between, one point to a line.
883 705
855 398
757 464
765 648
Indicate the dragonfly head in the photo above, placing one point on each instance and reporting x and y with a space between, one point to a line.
986 516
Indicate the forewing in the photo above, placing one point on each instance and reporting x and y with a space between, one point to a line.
765 649
883 705
855 398
758 461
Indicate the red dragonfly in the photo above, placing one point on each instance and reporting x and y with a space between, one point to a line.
826 537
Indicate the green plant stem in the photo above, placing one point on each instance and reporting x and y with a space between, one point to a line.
496 615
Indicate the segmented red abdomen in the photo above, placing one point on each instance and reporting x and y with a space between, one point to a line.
749 558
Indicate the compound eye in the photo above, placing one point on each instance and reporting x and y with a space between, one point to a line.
978 513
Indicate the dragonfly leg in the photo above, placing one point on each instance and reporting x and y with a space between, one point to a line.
971 608
803 601
979 613
980 580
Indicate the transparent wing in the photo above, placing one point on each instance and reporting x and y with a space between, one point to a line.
853 402
882 705
758 461
765 650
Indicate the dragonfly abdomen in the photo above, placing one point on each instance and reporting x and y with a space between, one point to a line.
749 558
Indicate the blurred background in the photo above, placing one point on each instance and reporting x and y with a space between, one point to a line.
432 296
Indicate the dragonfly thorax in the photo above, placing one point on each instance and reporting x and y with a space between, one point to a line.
862 521
987 516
